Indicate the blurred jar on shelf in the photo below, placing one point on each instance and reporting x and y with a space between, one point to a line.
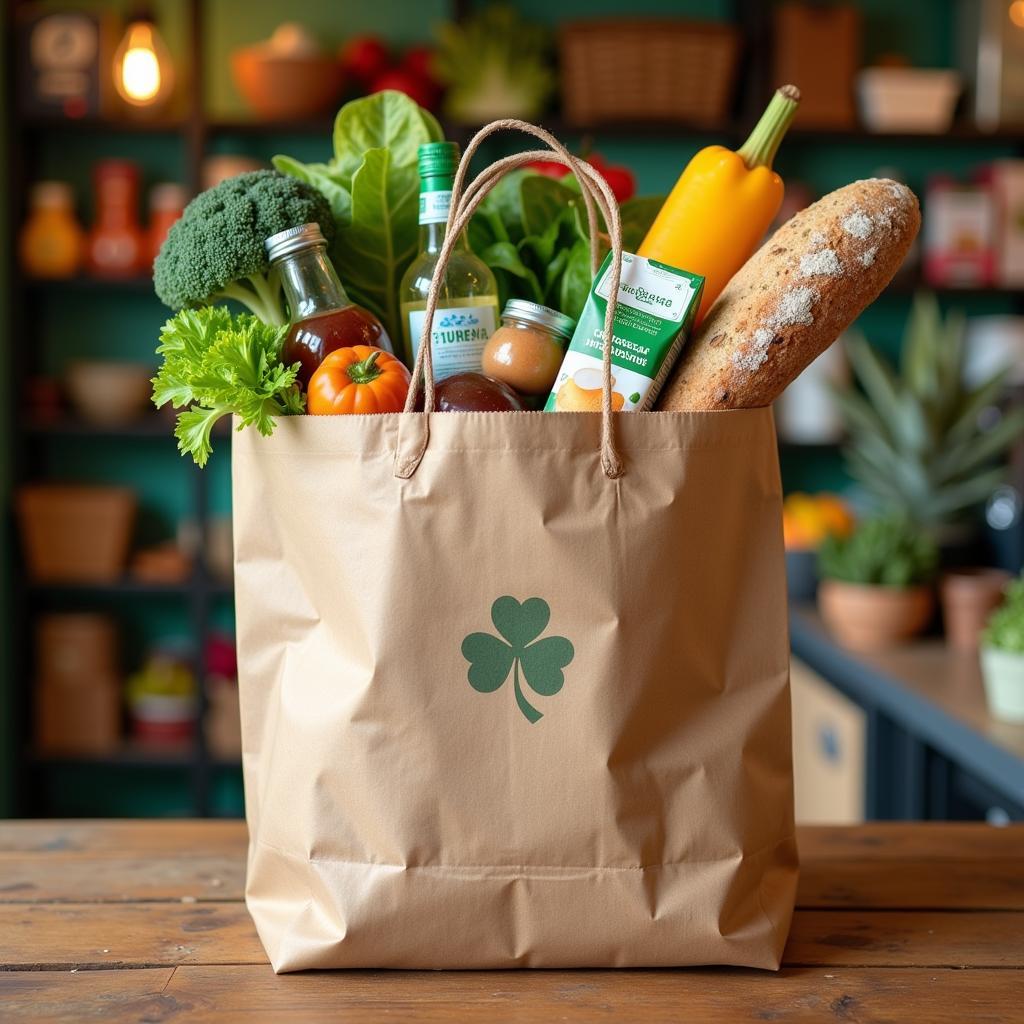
1008 190
52 241
166 204
163 696
117 245
959 233
219 166
222 724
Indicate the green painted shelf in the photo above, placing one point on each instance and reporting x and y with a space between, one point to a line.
145 427
962 132
152 426
129 754
112 125
129 587
86 283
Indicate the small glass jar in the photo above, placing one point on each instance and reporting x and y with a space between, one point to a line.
52 242
324 318
526 351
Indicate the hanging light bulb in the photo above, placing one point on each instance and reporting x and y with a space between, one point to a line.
143 73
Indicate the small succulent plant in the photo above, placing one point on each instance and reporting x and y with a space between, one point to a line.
1005 627
886 551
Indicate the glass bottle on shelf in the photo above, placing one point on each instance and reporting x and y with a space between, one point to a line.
166 204
323 316
467 313
52 241
117 243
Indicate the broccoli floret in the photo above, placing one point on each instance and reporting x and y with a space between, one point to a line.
215 251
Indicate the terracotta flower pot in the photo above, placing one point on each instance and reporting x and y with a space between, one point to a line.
873 618
969 596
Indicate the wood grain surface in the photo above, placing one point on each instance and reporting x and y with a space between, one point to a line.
144 921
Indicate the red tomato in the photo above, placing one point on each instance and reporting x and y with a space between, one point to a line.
415 87
619 177
364 58
549 168
418 60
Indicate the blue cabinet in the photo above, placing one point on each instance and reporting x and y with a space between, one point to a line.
931 750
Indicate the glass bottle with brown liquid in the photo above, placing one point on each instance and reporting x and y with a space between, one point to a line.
323 316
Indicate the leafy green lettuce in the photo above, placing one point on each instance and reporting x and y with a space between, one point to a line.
495 63
372 184
531 230
219 365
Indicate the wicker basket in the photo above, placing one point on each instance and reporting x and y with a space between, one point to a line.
652 70
74 534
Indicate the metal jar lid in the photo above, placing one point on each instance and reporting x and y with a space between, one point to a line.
534 313
292 240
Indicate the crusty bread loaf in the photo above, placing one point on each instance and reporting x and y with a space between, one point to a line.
794 297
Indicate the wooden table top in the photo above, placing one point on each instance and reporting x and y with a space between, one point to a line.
144 921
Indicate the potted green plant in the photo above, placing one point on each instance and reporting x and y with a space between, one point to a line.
918 445
876 583
1002 656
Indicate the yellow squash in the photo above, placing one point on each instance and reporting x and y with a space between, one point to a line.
723 203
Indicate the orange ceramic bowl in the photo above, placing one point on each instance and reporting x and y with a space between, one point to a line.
286 88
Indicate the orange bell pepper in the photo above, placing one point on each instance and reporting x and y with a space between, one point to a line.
723 203
357 379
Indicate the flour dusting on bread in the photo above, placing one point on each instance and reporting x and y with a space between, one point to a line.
795 296
858 224
823 262
795 307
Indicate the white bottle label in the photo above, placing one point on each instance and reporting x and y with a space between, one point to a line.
458 337
434 207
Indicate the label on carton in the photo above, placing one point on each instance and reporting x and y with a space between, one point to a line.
657 304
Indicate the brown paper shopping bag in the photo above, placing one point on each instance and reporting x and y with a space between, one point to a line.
515 685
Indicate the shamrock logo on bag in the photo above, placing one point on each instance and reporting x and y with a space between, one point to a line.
491 659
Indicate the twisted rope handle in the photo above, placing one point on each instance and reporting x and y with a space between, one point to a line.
597 195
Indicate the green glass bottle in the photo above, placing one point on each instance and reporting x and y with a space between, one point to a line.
467 314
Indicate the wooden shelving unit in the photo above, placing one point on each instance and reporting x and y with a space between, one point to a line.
87 283
128 754
733 131
198 135
150 426
201 590
126 587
